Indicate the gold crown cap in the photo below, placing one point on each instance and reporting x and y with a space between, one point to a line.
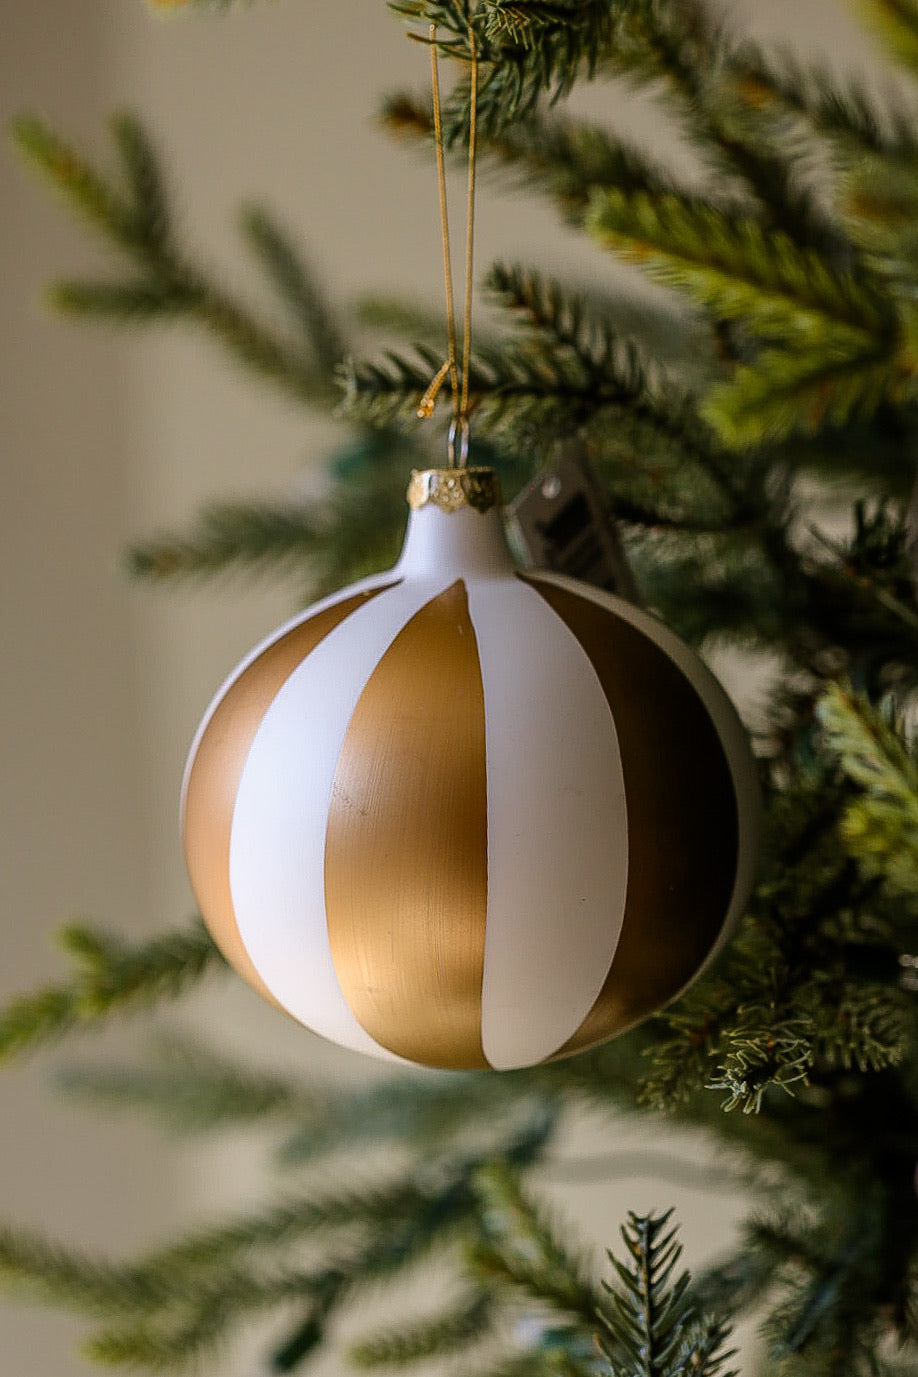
453 489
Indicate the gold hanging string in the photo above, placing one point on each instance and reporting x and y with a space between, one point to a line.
463 412
428 401
460 423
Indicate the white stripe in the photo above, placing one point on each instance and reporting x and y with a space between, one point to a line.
277 841
727 724
365 585
557 826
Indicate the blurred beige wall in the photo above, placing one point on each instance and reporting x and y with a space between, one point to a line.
106 436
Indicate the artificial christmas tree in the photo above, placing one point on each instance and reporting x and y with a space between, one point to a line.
801 370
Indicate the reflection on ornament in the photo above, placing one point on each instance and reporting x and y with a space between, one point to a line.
466 816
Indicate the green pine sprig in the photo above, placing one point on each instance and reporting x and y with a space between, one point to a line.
445 1334
548 152
650 1326
846 111
183 1303
522 1243
739 270
133 212
110 976
251 536
647 1326
354 530
525 49
841 379
896 23
880 824
297 286
192 1089
197 4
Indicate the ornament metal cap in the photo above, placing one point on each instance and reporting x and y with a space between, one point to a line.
454 489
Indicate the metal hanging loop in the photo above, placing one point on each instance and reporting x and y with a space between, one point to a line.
459 427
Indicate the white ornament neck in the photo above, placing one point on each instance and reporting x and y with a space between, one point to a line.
455 526
446 544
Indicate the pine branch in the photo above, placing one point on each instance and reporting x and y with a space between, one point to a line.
126 303
846 113
443 1208
165 282
651 1329
195 1323
880 826
110 976
569 159
389 392
442 1335
521 1244
145 183
874 566
525 49
738 1282
763 1051
741 271
810 983
176 1306
279 1224
872 1030
520 393
807 1018
645 1328
572 339
355 530
819 1314
896 23
565 158
119 216
407 319
244 337
746 148
765 156
564 322
192 1089
425 1111
802 1012
824 1269
31 1266
835 381
842 351
176 291
309 1332
681 1062
199 4
880 196
297 287
673 44
529 391
250 536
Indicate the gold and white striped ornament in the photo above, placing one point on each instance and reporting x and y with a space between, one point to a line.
466 816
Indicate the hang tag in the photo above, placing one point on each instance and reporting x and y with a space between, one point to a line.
563 522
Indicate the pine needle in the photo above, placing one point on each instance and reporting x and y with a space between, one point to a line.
110 976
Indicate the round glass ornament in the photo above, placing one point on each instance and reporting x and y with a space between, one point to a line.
466 816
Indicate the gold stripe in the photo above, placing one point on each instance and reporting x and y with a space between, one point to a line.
406 871
213 783
683 824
